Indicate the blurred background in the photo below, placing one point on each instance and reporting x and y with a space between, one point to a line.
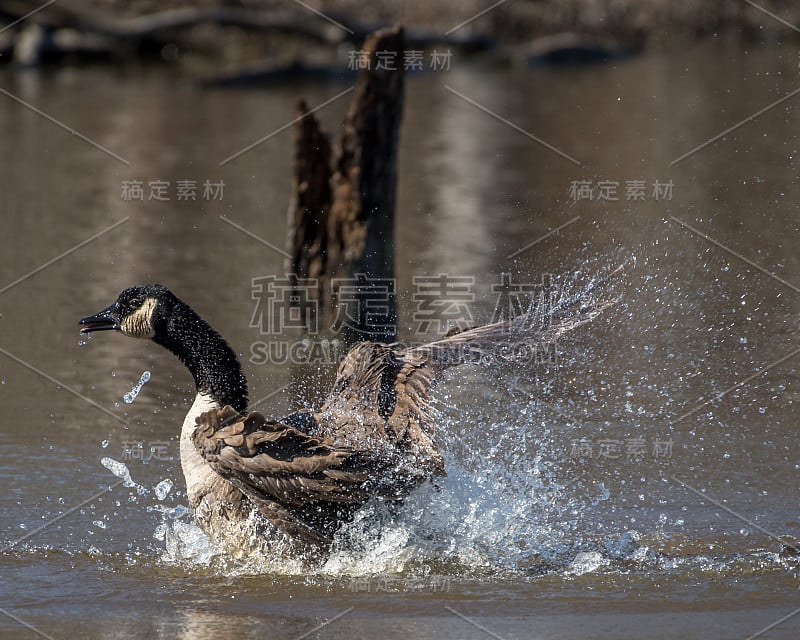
642 485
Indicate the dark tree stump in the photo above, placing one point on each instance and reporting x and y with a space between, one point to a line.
310 202
355 248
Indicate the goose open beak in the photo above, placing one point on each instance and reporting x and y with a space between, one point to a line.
100 321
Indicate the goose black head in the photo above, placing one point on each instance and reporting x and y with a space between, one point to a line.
138 312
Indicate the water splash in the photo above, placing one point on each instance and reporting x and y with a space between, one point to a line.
184 541
587 562
120 469
163 488
131 395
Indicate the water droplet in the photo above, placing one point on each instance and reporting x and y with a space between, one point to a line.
121 470
179 511
163 488
131 395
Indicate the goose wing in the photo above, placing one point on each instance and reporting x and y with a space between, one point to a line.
380 402
285 473
551 315
381 395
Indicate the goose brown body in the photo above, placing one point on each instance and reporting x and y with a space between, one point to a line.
308 473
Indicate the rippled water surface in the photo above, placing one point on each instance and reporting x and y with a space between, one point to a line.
639 488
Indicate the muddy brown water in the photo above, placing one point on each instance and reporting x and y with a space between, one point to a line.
573 505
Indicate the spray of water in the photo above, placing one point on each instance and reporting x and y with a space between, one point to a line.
514 500
131 395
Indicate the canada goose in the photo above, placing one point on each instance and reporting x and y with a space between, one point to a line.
308 473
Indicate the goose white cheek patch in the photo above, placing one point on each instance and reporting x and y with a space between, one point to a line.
139 323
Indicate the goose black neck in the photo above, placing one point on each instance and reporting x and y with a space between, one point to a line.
212 363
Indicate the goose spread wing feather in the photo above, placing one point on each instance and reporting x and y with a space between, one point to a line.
380 402
295 480
545 321
279 461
